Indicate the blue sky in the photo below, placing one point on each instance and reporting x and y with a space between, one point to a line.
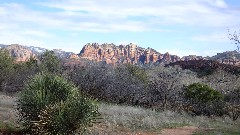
181 27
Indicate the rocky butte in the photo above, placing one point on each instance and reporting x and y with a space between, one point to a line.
19 53
131 53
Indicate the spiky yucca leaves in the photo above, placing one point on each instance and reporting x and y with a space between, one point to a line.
50 104
66 118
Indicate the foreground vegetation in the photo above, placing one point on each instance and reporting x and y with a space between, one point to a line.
49 104
133 97
122 119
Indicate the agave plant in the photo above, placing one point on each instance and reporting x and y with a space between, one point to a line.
50 104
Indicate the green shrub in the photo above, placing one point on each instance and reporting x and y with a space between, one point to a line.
50 62
50 104
202 93
137 72
204 100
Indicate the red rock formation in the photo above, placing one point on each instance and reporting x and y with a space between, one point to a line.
73 56
19 53
228 57
192 57
130 53
113 54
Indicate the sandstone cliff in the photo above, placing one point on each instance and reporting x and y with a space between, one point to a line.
130 53
19 53
228 57
23 53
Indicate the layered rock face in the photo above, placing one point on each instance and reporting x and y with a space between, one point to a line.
228 57
24 53
19 53
130 53
192 57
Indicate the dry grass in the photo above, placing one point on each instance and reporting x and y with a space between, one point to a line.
7 105
8 114
120 119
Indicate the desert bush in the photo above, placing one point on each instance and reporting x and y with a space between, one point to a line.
222 81
22 71
6 67
49 104
137 72
233 104
120 84
233 110
50 62
165 86
204 100
92 79
128 85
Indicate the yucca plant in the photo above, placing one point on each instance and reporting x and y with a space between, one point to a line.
50 104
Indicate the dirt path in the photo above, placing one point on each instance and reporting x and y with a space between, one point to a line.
187 130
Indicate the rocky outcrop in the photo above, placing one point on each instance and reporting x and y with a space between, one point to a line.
228 57
62 54
19 53
130 53
73 56
23 53
192 57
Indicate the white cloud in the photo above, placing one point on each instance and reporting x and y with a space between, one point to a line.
211 38
38 33
2 11
107 16
9 38
214 13
220 3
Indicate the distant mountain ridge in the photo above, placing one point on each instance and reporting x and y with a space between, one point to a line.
23 53
113 54
2 46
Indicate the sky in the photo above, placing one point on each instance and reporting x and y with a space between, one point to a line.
180 27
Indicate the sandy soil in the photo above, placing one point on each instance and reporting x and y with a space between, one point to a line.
187 130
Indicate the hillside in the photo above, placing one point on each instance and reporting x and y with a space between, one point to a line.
114 54
228 57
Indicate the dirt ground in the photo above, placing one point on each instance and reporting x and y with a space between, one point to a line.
187 130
